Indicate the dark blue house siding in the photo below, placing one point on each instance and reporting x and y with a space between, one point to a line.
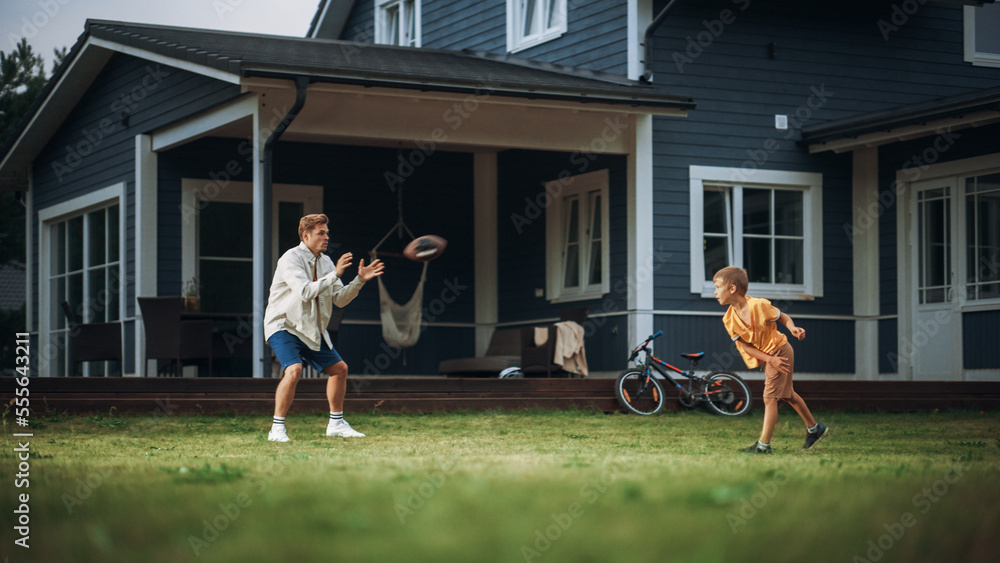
683 334
437 199
979 340
521 256
94 148
595 40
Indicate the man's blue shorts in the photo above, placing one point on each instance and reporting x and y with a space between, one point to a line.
290 350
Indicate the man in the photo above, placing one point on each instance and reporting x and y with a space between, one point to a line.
305 287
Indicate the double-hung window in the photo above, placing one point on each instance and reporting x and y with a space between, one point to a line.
397 22
982 240
576 222
530 22
768 222
982 35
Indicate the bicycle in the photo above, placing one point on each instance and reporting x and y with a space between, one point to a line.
639 391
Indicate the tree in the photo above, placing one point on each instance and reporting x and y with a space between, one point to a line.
22 77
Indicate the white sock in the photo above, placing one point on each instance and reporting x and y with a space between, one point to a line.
279 422
812 429
336 417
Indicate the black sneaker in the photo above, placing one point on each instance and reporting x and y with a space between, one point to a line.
813 437
755 449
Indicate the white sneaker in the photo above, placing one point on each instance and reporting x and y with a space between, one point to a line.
277 434
343 429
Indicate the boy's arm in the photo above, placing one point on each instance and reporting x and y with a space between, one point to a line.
797 332
777 362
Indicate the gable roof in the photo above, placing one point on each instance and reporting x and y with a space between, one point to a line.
235 57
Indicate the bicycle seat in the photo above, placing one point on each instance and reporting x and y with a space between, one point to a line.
694 357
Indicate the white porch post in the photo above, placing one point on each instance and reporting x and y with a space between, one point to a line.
640 236
865 248
259 267
485 232
145 235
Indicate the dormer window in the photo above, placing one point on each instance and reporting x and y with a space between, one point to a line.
532 22
397 22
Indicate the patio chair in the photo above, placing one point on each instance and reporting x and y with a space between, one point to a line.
504 351
170 338
92 342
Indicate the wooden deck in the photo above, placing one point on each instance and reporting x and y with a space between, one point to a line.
439 394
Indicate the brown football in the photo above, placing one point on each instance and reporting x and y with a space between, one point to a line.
425 248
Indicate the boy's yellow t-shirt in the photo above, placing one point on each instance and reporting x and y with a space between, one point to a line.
763 331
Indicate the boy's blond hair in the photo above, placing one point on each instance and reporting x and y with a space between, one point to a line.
732 275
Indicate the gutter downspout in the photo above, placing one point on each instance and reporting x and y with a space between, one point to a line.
647 42
267 159
267 167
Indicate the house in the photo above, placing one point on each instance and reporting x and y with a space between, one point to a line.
845 153
606 154
158 155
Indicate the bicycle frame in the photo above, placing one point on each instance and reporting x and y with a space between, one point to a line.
659 371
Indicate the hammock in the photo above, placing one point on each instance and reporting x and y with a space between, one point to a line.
400 323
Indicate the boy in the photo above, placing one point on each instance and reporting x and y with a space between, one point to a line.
752 324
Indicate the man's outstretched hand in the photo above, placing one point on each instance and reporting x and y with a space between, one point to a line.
373 270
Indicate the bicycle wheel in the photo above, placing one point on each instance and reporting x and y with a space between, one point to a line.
727 394
638 394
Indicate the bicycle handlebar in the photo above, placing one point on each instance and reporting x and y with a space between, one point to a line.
644 344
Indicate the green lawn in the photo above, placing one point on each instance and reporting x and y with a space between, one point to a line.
499 486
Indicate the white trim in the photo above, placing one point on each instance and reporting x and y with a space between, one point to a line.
319 20
29 210
970 55
640 236
812 186
486 244
515 43
152 57
202 124
110 195
261 362
559 190
146 223
865 250
640 15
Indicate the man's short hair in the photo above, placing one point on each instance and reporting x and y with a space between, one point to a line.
309 223
732 275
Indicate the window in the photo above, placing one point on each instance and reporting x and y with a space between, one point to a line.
982 35
982 223
577 252
530 22
81 265
934 251
218 246
397 22
769 222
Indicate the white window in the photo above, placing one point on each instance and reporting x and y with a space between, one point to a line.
397 22
768 222
982 237
576 227
530 22
982 35
80 264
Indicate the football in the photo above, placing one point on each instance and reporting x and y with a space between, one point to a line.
425 248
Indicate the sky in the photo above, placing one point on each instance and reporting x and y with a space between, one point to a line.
48 24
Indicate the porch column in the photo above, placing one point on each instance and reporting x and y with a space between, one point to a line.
485 243
260 273
145 239
640 234
864 239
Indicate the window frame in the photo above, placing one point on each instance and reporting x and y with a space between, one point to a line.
48 219
811 185
516 41
381 31
560 192
971 55
962 282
